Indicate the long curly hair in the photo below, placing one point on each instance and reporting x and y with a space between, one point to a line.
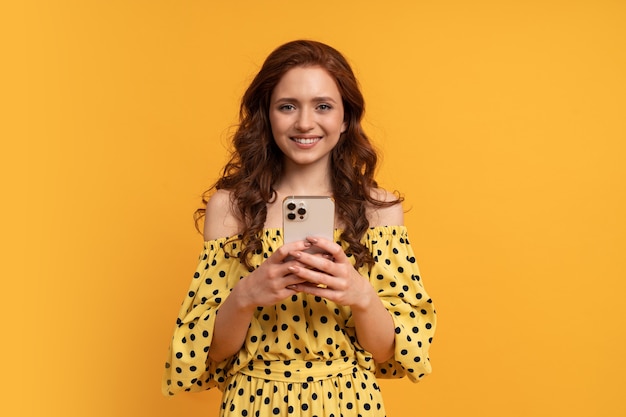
256 162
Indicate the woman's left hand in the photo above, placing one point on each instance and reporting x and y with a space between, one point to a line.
331 276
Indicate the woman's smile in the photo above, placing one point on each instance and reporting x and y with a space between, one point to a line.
306 140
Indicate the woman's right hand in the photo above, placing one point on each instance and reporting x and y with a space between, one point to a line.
265 286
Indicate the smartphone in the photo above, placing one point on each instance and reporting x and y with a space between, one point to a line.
308 216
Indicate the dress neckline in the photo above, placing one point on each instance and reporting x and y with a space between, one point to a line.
271 232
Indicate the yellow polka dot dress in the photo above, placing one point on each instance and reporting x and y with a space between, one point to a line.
301 357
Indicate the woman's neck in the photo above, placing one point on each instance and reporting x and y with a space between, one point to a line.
305 180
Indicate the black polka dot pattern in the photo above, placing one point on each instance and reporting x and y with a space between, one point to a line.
301 356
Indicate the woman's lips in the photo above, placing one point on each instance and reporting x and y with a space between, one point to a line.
306 141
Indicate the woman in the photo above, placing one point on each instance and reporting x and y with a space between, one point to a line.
279 330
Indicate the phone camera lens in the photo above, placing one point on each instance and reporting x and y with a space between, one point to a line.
302 211
291 216
291 206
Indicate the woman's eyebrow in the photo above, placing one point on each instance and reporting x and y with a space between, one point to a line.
295 100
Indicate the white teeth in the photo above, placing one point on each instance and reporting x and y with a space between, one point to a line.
306 141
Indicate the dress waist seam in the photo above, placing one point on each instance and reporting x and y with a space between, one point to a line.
300 370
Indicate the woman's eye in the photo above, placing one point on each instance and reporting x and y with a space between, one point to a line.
324 107
287 107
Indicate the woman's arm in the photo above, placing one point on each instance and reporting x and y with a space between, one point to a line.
374 327
267 285
336 280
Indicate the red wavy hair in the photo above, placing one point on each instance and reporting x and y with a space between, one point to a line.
256 162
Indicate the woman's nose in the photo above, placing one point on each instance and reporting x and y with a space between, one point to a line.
305 121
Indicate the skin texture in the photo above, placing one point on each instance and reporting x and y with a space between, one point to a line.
305 106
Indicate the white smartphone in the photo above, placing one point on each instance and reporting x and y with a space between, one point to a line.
308 216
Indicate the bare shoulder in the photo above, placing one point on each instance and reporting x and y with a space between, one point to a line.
385 216
219 220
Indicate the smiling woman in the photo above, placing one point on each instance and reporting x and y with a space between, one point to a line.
307 117
276 327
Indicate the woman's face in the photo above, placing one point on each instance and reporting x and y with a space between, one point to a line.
306 115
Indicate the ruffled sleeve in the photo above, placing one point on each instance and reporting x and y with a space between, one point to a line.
397 279
188 367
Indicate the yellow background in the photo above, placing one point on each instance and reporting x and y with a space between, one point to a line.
503 122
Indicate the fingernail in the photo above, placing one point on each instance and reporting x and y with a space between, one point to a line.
311 239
